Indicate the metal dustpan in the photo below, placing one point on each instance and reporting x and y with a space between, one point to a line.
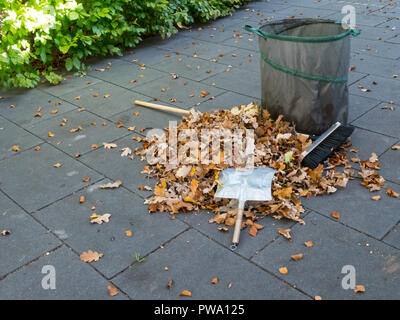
245 184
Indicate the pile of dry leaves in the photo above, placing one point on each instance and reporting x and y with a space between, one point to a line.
188 187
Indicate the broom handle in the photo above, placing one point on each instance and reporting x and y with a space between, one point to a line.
161 107
238 225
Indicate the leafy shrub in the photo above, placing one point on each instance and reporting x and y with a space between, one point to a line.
39 37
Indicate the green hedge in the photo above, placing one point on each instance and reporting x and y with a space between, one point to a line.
40 37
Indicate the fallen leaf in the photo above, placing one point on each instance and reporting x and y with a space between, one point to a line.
395 147
317 298
309 244
285 233
126 152
214 280
81 199
111 185
253 231
100 219
283 270
392 193
57 165
5 233
186 293
112 291
90 256
109 145
376 198
297 257
335 214
15 148
128 233
86 179
37 148
169 284
359 288
50 134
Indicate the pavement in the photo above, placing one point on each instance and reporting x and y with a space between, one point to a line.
40 204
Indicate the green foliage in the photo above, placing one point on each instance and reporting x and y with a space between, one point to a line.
39 37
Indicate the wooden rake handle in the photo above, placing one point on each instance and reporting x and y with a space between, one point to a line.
161 107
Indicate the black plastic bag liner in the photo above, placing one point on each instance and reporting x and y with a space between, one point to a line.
304 68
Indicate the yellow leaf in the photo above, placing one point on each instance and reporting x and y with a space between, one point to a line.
283 270
50 134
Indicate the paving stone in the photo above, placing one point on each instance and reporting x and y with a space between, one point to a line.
360 7
395 40
120 99
146 118
359 105
27 239
82 140
225 101
68 85
192 261
303 12
355 76
147 54
74 280
180 89
241 58
393 237
248 41
122 73
367 142
358 210
381 120
27 103
113 166
393 23
12 135
71 220
376 66
212 34
246 82
373 33
384 90
31 180
390 162
191 68
375 48
203 49
248 245
335 246
362 19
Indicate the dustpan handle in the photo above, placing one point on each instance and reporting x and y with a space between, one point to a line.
238 226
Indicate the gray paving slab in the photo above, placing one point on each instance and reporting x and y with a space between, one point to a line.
375 48
381 120
249 245
393 238
376 66
376 33
225 101
33 182
246 82
358 210
390 161
359 105
93 99
192 261
71 221
74 280
187 93
69 84
122 73
27 239
384 89
191 68
304 12
362 19
355 76
368 142
143 117
203 49
248 42
210 33
241 58
114 166
91 132
393 23
13 136
146 54
335 246
27 104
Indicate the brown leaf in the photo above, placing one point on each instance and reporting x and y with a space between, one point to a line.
112 291
376 198
214 280
359 288
283 270
317 298
335 214
81 199
285 233
253 231
186 293
15 148
297 257
57 165
309 244
109 145
5 233
392 193
169 284
90 256
395 147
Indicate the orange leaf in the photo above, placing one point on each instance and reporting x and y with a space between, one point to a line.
186 293
90 256
214 280
128 233
112 291
359 288
297 257
283 270
335 214
253 231
309 244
